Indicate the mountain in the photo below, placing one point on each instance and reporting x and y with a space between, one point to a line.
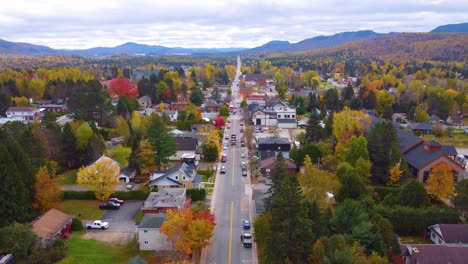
19 48
314 43
452 28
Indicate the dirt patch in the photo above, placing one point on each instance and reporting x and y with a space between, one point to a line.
110 237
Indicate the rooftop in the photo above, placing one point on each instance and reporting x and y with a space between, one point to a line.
452 233
427 253
152 221
165 198
50 223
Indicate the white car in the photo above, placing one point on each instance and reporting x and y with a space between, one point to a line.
98 224
225 147
243 155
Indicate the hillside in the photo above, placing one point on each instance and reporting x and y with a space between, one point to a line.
455 28
402 47
314 43
19 48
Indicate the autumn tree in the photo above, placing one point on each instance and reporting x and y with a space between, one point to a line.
316 183
395 174
102 177
420 115
145 157
120 154
47 193
348 123
123 130
219 122
162 141
122 87
440 181
83 134
211 147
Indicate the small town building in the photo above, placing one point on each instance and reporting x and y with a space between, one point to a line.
164 199
268 164
149 237
52 225
180 176
24 113
448 234
428 253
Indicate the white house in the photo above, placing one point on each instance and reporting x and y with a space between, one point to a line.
172 114
149 237
24 113
449 234
275 114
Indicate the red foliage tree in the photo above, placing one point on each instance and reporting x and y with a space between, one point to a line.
167 95
120 86
219 122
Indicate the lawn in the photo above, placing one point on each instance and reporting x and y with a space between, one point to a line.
459 140
68 177
83 209
414 240
92 251
139 216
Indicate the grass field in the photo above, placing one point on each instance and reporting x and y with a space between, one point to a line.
414 240
458 140
139 216
91 251
68 177
82 209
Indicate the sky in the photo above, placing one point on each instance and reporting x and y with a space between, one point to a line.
81 24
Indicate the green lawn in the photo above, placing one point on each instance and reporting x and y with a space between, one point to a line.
414 240
139 216
86 209
458 140
68 177
96 252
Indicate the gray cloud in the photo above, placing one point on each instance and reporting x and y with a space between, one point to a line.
213 23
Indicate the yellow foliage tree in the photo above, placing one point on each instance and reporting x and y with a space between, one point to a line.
102 177
395 174
47 192
161 106
316 183
146 157
348 123
440 181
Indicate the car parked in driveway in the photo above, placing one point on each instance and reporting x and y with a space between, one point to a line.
98 224
116 200
109 206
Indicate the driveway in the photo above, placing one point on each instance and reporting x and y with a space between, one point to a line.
122 220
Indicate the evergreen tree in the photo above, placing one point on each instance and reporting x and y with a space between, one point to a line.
162 141
314 131
348 92
69 147
196 97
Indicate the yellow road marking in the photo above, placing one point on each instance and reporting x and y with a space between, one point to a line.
230 233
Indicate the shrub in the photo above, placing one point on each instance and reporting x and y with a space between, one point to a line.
77 225
79 195
89 195
196 194
383 191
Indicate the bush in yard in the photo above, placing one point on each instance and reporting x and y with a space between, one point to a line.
77 225
79 195
196 194
89 195
50 254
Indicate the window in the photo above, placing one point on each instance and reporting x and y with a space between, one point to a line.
145 231
184 177
425 176
279 116
146 242
293 116
176 177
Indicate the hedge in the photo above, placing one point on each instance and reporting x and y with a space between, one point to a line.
383 191
414 221
77 225
89 195
196 194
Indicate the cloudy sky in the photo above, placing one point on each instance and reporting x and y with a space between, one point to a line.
81 24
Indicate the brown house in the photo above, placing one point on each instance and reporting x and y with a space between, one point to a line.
179 106
267 165
163 200
52 225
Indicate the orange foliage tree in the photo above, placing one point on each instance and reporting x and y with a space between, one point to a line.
123 87
188 230
47 192
440 181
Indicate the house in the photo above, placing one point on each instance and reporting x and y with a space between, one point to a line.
164 199
434 254
24 113
267 165
172 114
52 225
435 119
275 113
185 145
423 128
178 106
199 128
208 116
53 108
455 120
63 120
399 117
144 102
149 237
422 156
273 144
448 234
256 99
253 79
138 75
179 176
127 175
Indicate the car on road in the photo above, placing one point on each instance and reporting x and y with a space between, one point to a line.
229 126
223 169
226 136
246 240
109 206
225 146
242 124
243 164
257 130
242 155
242 130
246 224
115 200
244 172
97 224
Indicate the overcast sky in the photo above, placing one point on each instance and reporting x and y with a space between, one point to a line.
81 24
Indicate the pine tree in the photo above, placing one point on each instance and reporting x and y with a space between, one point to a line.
162 141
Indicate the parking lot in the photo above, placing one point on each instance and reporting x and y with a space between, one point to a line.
122 220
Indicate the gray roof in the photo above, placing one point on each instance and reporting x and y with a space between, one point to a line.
152 221
407 140
187 169
418 156
253 107
420 126
166 198
186 143
452 233
429 253
273 140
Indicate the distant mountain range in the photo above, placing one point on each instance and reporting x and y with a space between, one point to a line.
320 42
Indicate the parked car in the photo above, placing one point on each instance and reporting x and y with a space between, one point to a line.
246 240
223 169
246 224
242 155
241 123
244 172
109 206
116 200
225 147
97 224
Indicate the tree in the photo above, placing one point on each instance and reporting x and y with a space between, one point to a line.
385 100
357 148
83 134
315 183
122 87
413 194
420 115
162 141
123 130
395 175
460 200
47 192
102 177
120 154
211 148
352 185
315 131
440 181
219 122
90 106
145 157
224 111
243 104
348 215
196 97
17 239
348 123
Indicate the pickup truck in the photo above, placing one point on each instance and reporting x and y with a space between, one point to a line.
246 240
98 224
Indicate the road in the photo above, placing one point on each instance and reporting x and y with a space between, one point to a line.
232 201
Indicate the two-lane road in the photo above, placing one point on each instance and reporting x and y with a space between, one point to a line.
232 202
